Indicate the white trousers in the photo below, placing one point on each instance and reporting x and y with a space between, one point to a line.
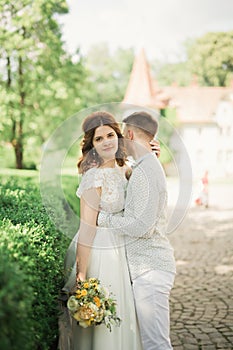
151 292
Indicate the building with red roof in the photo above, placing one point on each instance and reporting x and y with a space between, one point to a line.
204 117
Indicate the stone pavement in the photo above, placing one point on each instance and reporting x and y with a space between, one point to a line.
201 302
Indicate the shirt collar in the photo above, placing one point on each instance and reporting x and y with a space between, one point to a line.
139 160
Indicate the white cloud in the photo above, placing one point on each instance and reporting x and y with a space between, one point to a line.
160 26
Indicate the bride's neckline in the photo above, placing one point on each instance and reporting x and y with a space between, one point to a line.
107 168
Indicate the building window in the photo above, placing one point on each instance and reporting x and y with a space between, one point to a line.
229 156
199 155
220 131
228 131
219 156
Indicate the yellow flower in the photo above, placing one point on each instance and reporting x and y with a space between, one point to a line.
94 286
92 280
83 292
86 285
78 294
97 301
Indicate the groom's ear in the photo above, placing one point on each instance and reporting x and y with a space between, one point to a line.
130 134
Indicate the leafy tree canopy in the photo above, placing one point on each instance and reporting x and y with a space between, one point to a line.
40 84
211 59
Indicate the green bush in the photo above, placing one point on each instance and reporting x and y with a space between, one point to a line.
16 298
33 243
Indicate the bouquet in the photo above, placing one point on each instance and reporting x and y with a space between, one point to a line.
92 304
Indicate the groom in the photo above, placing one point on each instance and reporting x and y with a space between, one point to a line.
150 255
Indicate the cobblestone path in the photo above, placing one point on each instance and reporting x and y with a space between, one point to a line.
201 301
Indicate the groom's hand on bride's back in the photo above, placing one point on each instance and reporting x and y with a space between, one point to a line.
155 147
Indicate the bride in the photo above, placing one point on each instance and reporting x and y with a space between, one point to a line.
96 251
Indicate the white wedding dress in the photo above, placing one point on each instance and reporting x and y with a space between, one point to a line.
107 263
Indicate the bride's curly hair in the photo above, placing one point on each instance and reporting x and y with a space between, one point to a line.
89 156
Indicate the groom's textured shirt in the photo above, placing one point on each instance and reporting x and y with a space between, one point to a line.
144 221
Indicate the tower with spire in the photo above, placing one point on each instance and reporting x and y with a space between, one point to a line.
142 90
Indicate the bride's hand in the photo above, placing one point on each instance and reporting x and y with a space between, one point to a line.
80 277
155 147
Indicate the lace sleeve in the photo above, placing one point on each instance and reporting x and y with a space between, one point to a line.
91 179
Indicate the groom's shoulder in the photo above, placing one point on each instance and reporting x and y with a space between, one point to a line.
146 166
152 163
154 169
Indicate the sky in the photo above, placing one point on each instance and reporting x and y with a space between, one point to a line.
161 27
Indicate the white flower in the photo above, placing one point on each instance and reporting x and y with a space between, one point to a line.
99 317
105 292
107 313
93 307
72 303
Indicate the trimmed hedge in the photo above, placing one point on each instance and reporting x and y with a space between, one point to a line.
33 273
16 298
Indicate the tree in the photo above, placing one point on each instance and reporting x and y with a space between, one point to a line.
38 79
109 73
167 123
211 58
170 73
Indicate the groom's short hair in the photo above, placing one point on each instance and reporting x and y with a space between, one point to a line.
143 121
